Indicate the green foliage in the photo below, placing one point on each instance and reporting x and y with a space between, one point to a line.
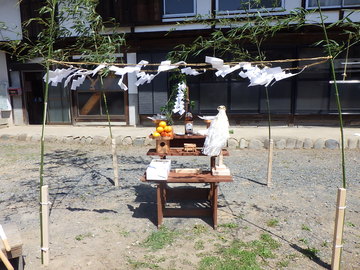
94 42
305 228
199 245
81 237
241 255
311 253
160 238
142 265
200 229
229 225
350 224
272 222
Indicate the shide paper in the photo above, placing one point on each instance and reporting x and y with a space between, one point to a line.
257 76
179 106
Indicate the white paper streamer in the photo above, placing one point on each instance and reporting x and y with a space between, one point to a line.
190 71
58 75
179 106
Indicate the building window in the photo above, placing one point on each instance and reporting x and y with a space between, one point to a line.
245 5
333 3
179 8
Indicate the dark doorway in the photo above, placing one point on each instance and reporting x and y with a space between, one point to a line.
34 96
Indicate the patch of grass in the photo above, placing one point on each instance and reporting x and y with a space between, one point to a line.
304 240
240 255
81 237
199 245
140 264
272 222
350 224
283 264
305 228
160 238
199 229
325 243
230 225
311 253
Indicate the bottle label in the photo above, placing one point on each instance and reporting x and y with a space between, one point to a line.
189 127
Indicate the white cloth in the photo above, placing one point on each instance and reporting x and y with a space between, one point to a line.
218 134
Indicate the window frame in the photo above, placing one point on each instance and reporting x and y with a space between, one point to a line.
342 5
275 9
179 14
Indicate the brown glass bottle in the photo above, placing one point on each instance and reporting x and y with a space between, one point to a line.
189 123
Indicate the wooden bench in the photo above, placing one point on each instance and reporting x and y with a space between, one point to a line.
15 254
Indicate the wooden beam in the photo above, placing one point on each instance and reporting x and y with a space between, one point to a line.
89 105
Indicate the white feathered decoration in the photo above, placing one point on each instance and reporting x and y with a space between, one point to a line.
218 133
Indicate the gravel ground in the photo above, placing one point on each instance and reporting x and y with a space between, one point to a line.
94 225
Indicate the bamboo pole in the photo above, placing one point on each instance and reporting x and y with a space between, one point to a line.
5 260
45 229
115 162
339 229
4 239
269 174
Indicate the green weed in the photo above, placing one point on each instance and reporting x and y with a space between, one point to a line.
81 237
350 224
311 253
160 238
199 229
272 222
199 245
305 228
229 225
139 264
240 255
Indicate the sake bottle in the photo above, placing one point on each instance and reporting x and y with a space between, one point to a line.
189 123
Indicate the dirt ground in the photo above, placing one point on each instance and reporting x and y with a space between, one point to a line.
94 225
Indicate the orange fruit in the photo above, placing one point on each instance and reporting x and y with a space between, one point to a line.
159 129
162 124
156 134
163 134
168 129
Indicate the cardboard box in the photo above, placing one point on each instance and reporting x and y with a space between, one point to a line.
158 169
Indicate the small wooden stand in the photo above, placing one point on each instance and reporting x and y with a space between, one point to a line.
220 169
189 147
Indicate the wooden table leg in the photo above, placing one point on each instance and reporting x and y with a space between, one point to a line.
160 201
214 187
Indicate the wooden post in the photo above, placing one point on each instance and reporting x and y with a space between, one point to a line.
269 174
339 229
4 239
45 229
115 162
5 261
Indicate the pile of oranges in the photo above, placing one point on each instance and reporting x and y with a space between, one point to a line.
163 130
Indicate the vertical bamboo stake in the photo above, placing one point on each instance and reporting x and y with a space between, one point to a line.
339 229
113 145
45 228
269 174
115 162
5 260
